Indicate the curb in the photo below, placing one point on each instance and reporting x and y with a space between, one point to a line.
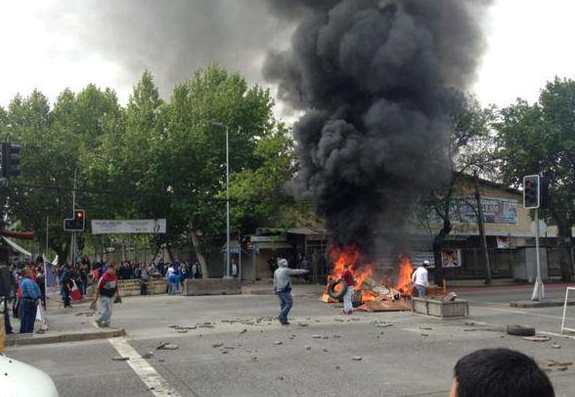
38 339
546 303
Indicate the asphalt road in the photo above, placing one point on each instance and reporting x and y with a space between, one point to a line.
234 347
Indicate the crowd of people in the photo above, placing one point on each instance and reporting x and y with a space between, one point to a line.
28 286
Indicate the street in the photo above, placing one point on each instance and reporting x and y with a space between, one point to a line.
232 346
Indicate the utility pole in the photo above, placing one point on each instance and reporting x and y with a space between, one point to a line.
481 227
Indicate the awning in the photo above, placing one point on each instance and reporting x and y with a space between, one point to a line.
272 245
16 246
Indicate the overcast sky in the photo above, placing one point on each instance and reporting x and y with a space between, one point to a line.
54 44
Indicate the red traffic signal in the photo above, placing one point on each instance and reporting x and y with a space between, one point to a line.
77 223
531 192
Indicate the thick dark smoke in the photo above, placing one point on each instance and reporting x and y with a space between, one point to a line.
172 38
371 77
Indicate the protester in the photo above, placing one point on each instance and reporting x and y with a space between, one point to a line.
282 288
30 298
419 278
106 288
499 373
347 278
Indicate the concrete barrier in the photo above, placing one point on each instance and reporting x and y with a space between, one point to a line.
132 287
212 286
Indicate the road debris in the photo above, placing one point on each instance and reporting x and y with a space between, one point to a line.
120 358
539 338
166 346
357 358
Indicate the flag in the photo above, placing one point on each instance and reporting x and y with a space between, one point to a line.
75 293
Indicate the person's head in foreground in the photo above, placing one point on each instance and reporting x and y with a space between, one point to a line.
499 373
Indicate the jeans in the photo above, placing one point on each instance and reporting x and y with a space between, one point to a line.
28 316
347 305
105 303
286 302
420 290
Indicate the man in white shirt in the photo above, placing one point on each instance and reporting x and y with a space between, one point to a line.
419 278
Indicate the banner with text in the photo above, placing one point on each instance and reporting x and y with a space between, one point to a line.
129 226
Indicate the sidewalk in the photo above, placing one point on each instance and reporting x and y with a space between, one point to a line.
64 325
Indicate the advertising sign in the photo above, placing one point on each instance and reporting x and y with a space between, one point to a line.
129 226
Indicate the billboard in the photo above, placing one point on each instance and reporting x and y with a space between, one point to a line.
129 226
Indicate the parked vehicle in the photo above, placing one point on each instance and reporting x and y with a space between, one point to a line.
20 379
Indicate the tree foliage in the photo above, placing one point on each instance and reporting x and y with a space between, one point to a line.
539 138
149 159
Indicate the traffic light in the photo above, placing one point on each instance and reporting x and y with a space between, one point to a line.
10 160
77 223
531 191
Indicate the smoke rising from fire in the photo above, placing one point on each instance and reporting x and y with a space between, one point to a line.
371 77
172 38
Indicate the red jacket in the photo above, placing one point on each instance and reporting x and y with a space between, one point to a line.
347 276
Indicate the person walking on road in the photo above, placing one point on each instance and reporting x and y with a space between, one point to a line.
30 298
419 278
282 288
106 288
347 277
499 373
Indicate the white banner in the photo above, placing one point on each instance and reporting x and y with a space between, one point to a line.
131 226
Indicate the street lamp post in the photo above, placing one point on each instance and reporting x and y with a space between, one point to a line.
220 124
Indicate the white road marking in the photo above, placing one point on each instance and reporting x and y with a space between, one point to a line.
157 385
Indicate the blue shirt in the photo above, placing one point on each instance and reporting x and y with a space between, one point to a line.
29 288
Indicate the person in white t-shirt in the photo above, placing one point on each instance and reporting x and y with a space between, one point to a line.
419 278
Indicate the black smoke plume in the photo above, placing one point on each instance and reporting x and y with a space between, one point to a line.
371 77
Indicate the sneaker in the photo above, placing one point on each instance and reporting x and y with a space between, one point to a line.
96 323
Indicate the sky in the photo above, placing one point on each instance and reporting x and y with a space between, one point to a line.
529 42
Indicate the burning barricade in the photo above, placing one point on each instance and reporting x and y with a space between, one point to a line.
393 291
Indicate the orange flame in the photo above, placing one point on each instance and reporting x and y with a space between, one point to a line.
365 270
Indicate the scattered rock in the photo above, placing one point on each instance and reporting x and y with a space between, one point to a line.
339 319
167 346
244 331
225 352
426 328
337 367
181 330
148 355
216 345
308 347
280 378
120 358
337 336
302 324
161 344
278 343
556 346
254 358
325 350
316 336
357 358
161 360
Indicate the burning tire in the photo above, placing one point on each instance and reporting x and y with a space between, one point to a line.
337 295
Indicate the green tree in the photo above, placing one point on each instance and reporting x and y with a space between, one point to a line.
259 193
540 138
195 169
54 141
470 139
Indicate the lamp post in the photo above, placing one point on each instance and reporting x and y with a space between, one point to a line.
220 124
